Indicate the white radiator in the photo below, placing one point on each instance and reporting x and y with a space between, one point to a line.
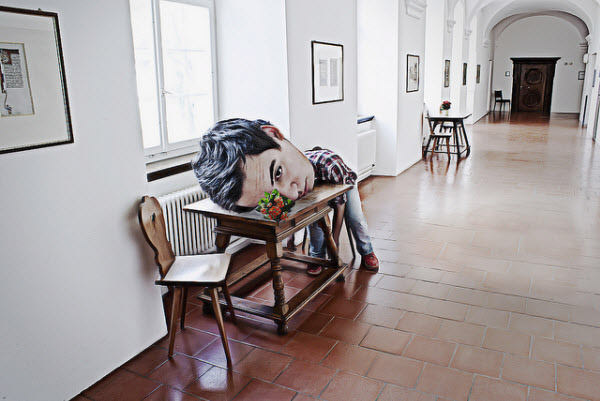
367 153
189 233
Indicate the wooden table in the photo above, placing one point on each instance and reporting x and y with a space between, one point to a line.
461 142
311 208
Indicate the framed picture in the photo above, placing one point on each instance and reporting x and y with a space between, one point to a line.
581 75
464 73
446 73
412 73
478 76
34 105
327 72
507 73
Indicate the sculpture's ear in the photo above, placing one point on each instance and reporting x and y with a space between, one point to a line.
272 131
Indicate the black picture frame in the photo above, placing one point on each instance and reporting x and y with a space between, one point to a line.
413 66
465 66
446 73
59 138
319 94
478 76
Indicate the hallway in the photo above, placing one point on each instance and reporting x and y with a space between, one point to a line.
488 290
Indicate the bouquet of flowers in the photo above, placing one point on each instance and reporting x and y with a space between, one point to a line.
445 105
275 206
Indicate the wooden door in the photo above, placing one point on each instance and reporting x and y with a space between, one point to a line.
532 84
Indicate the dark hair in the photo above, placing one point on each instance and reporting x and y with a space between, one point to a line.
223 150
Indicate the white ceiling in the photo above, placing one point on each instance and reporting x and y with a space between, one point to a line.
495 11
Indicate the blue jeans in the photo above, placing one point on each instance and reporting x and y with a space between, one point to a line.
355 219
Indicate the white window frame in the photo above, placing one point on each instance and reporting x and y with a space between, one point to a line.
169 150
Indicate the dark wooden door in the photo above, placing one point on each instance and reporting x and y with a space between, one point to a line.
532 84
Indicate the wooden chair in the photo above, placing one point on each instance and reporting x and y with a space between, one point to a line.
181 272
498 98
441 134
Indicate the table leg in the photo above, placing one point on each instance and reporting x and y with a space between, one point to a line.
275 253
222 241
464 133
455 134
325 225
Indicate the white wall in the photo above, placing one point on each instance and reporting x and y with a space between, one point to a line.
482 90
331 125
543 36
433 77
252 61
411 32
378 75
78 297
456 67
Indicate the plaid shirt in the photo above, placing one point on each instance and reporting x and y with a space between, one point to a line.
330 168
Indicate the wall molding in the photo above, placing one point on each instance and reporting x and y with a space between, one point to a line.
415 8
450 25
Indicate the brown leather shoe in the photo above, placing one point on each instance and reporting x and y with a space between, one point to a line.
370 262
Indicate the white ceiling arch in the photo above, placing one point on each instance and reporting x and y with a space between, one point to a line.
577 23
494 11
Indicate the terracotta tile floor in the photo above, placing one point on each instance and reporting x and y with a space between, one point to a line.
489 289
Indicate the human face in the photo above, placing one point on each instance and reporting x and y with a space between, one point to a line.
285 169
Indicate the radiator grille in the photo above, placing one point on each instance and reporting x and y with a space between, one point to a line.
189 233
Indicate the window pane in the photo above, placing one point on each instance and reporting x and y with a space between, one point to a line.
188 117
145 67
185 32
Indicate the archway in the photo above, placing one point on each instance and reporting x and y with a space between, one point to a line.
541 35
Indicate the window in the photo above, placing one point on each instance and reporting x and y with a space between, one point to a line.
175 65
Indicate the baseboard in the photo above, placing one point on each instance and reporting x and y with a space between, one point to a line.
479 119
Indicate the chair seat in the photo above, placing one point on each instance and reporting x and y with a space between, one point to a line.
198 269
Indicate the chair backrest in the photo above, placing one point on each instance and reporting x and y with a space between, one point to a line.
498 95
152 222
429 123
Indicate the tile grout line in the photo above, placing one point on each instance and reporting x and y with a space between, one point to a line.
337 371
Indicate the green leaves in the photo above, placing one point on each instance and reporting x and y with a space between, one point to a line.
275 206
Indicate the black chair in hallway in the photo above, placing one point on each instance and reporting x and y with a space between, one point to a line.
437 133
498 98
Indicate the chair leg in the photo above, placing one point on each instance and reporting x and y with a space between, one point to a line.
183 307
217 309
174 314
448 147
427 147
351 240
305 241
227 296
